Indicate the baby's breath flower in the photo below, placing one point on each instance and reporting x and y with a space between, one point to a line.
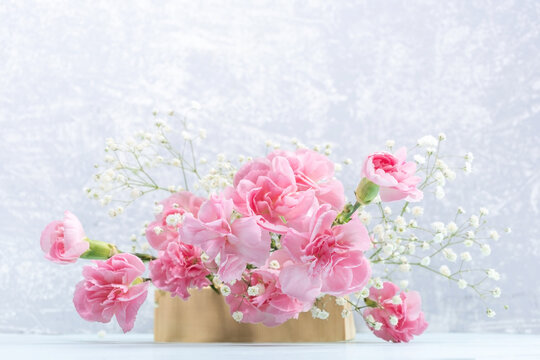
445 270
393 320
474 221
439 192
364 293
427 141
418 211
226 291
396 300
484 211
462 284
387 211
403 284
465 256
493 274
452 227
425 261
490 313
485 249
496 292
274 264
238 316
341 301
449 254
390 143
494 235
345 313
323 315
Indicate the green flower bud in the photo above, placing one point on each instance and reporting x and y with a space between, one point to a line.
366 191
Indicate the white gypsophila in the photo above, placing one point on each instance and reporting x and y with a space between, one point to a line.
411 248
439 227
419 159
400 221
323 315
484 211
390 143
364 293
485 249
393 320
496 292
470 235
403 284
490 313
377 326
461 210
438 238
341 301
449 174
449 254
225 290
253 290
474 221
439 192
465 256
274 264
378 283
158 230
405 267
315 311
345 313
439 178
418 211
347 161
173 219
426 245
442 136
396 300
494 235
508 230
145 246
452 227
467 168
205 257
365 217
425 261
158 209
445 270
462 284
238 316
493 274
427 141
468 243
469 156
387 211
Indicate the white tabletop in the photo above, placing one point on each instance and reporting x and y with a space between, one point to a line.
141 346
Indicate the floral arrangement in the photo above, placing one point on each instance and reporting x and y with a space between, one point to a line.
273 234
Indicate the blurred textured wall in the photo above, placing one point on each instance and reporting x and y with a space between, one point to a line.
353 73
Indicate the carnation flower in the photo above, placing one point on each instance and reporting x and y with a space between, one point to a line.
112 287
268 304
178 268
238 241
283 187
169 215
401 320
394 176
64 241
325 258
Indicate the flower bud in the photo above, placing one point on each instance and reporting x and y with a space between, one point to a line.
366 191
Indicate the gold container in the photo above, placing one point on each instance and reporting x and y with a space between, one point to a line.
205 317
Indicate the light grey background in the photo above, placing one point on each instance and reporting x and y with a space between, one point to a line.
354 73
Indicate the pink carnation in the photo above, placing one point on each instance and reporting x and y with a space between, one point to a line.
178 268
269 305
64 241
164 229
394 175
325 258
401 319
112 287
238 240
284 187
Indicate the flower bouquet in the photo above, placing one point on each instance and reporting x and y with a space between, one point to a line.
273 237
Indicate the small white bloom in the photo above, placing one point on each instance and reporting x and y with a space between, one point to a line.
158 230
474 221
370 319
158 209
462 284
493 274
174 219
470 235
449 254
484 211
253 290
345 313
396 300
226 291
490 313
427 141
393 320
405 267
418 211
187 136
347 161
205 257
388 249
403 284
323 315
439 192
419 159
274 264
119 210
387 211
468 243
377 326
467 168
400 221
452 227
365 217
460 210
364 293
411 248
341 301
338 167
145 246
101 333
425 261
439 177
445 270
438 238
136 193
496 292
426 245
238 316
465 256
202 133
508 230
469 156
442 136
485 249
377 283
439 227
112 213
390 143
494 235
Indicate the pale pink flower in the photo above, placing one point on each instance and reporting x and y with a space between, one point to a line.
178 268
112 287
394 175
162 231
64 241
402 319
284 188
218 230
325 258
268 304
